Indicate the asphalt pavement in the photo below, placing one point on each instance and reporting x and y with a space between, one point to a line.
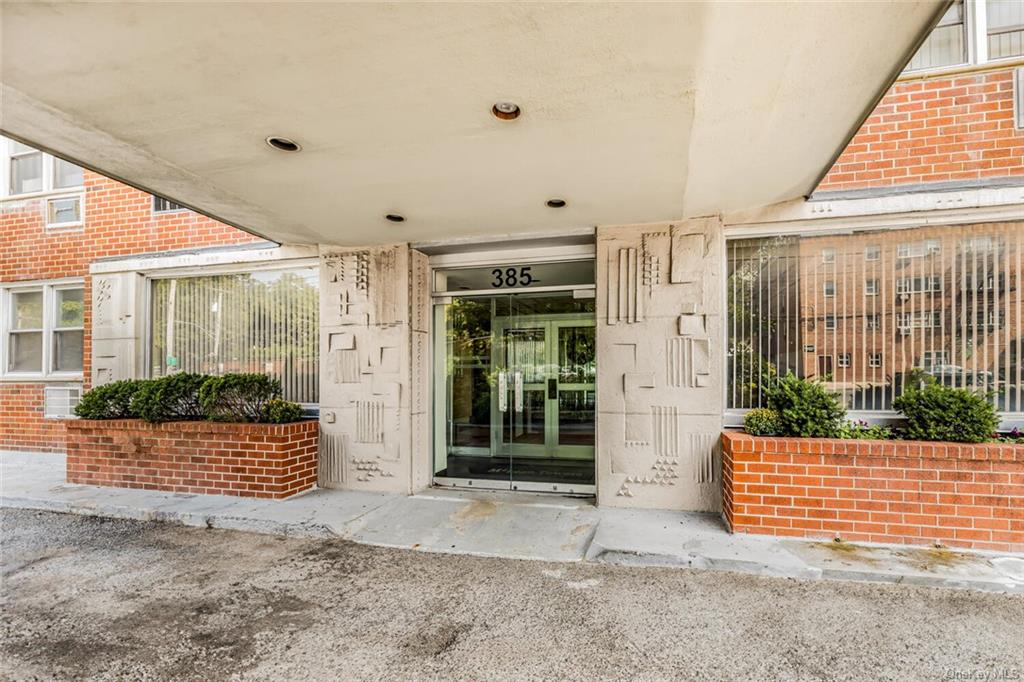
88 597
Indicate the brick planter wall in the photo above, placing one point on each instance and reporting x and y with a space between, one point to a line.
251 460
877 491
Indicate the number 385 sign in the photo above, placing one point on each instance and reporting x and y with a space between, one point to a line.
511 277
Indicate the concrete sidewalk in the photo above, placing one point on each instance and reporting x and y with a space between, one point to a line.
515 526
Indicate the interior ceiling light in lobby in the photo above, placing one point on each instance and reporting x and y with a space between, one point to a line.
639 111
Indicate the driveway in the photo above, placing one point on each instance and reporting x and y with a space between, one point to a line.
114 599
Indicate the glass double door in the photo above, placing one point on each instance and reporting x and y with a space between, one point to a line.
517 406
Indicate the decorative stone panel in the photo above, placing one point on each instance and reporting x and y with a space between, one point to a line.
373 308
660 369
117 319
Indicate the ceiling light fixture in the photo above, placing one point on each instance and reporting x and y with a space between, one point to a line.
283 144
556 203
506 111
395 218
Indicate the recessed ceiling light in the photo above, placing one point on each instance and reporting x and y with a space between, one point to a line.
556 203
506 111
283 144
395 218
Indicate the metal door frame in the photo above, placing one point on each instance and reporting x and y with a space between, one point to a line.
551 323
438 400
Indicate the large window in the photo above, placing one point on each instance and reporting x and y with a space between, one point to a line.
946 45
43 329
1005 28
264 321
29 171
940 301
973 32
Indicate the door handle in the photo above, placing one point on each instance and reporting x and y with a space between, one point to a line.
517 379
502 392
552 389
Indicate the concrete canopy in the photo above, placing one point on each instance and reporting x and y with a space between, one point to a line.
631 112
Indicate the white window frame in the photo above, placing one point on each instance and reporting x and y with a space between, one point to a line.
829 284
930 284
976 33
49 289
875 250
933 358
48 192
871 287
835 323
919 319
179 208
828 256
918 249
844 360
874 360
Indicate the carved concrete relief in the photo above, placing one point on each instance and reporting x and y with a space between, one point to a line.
420 367
116 326
367 394
659 385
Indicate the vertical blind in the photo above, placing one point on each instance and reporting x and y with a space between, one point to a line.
265 321
874 312
1005 20
946 44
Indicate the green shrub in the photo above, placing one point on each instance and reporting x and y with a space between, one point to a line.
937 412
805 408
174 397
110 401
762 421
279 411
238 397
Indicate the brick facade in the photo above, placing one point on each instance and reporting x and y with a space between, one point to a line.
249 460
957 495
870 323
118 221
929 130
22 426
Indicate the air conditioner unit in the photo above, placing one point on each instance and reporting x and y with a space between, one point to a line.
59 401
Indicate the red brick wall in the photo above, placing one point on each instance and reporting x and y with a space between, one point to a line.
248 460
939 129
22 426
119 221
876 491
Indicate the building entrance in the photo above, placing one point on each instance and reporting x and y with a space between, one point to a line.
515 394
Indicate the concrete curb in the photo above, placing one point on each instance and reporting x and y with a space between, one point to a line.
697 562
594 552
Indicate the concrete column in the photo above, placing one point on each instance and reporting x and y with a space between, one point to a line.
660 350
374 307
117 326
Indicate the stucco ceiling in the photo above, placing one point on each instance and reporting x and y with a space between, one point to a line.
631 112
